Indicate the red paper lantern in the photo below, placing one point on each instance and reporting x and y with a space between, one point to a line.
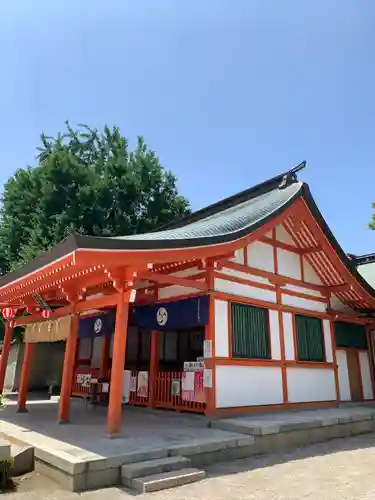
46 313
8 312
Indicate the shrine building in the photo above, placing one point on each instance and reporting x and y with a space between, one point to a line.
247 305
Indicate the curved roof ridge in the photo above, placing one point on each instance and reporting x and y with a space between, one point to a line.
236 199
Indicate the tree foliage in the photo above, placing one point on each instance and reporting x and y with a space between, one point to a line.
88 182
372 223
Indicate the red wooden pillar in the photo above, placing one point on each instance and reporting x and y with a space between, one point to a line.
210 336
68 371
118 363
24 385
5 354
154 366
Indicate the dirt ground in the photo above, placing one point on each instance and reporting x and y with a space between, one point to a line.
341 469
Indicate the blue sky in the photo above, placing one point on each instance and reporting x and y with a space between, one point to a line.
228 92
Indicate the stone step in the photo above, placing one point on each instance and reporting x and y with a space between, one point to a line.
23 459
166 480
4 450
152 467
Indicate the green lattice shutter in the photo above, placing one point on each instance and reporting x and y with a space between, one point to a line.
250 332
310 340
350 335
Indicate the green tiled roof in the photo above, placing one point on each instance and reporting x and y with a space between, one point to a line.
229 221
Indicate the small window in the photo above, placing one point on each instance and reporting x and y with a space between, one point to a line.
310 339
350 335
250 332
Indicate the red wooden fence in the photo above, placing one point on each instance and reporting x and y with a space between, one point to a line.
168 393
167 390
134 398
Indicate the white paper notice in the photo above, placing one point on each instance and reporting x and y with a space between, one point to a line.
142 387
188 381
207 349
133 384
126 386
207 378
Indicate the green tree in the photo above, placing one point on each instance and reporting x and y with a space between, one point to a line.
89 182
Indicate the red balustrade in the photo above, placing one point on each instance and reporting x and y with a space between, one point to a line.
134 397
168 390
168 394
81 382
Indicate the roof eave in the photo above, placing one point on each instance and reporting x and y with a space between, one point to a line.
59 251
77 242
349 263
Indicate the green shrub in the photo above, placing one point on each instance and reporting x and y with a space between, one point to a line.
5 468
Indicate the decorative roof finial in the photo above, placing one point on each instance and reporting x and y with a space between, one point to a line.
290 177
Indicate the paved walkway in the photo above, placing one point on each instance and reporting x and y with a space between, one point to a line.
342 469
84 446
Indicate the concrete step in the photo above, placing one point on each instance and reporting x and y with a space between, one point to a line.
166 480
152 467
5 452
23 459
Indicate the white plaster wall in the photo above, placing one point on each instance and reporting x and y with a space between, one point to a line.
327 340
238 256
364 364
283 236
221 328
248 386
176 291
245 276
343 373
306 291
244 290
13 367
275 334
288 335
140 284
310 384
260 255
185 273
92 297
310 275
288 264
47 364
301 303
337 305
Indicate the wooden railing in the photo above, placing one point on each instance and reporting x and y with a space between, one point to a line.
134 398
168 394
167 391
81 387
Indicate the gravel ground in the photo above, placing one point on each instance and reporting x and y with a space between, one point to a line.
340 469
